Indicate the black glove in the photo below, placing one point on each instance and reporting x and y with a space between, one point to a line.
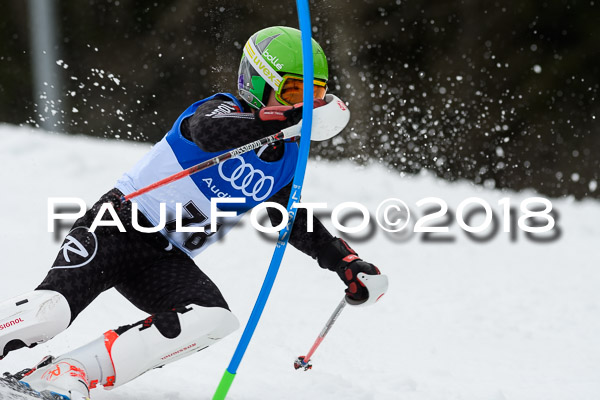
339 257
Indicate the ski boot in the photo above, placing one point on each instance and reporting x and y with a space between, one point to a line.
62 379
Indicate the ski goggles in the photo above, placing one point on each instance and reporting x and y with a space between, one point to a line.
290 90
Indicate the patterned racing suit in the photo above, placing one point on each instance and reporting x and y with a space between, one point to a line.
154 271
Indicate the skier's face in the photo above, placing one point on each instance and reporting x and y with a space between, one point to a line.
272 100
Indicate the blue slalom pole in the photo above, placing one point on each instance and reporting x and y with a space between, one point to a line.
284 234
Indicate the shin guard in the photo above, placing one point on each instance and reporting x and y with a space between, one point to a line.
32 318
125 353
142 348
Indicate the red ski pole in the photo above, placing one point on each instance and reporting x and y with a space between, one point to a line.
304 361
209 163
376 285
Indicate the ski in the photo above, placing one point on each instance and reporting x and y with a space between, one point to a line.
12 389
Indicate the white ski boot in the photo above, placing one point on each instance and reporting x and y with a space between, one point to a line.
63 377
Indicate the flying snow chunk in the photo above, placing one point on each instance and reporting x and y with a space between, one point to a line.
537 69
489 183
114 79
62 64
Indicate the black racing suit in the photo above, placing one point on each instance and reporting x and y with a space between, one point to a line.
151 274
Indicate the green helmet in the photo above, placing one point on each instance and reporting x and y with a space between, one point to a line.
270 54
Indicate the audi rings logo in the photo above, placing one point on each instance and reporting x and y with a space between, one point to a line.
251 181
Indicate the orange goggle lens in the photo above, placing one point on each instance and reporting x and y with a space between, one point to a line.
290 90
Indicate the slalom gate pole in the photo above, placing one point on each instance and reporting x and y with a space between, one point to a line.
284 234
304 361
208 163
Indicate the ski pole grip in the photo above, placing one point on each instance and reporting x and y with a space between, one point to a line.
377 285
328 120
292 131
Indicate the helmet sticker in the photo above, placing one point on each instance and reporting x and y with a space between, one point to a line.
261 65
263 44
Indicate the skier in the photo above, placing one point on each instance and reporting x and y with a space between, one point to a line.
155 271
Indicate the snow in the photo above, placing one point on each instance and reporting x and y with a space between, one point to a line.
499 320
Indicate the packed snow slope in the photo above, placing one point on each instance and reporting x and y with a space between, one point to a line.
502 319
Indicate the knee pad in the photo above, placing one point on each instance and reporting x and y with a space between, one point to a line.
32 318
147 345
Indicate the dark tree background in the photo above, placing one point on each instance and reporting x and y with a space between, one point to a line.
503 94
